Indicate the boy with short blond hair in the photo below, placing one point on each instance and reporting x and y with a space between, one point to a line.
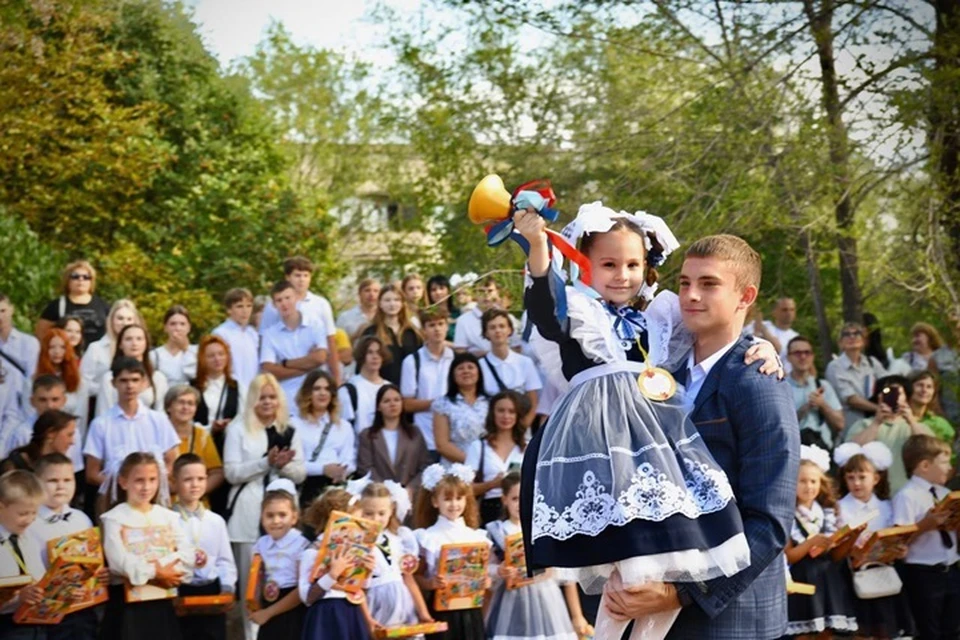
20 497
930 575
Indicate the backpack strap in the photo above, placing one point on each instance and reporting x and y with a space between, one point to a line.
352 393
496 376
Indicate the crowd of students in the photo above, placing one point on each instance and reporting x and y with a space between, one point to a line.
429 393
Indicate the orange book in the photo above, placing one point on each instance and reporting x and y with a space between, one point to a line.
254 593
884 545
10 585
514 557
950 503
82 544
840 537
203 605
358 536
800 588
151 544
64 582
409 630
465 568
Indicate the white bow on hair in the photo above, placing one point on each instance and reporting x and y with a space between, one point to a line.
399 495
816 455
877 453
436 472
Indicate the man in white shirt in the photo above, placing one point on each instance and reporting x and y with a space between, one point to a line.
47 392
468 335
18 349
356 318
298 271
504 369
854 375
780 331
294 346
241 336
931 578
423 376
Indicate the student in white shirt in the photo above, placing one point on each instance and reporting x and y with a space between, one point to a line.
929 572
240 335
56 519
356 318
298 271
176 358
215 571
99 355
11 389
19 349
294 346
134 342
48 393
505 369
20 497
468 335
127 427
498 453
358 396
423 376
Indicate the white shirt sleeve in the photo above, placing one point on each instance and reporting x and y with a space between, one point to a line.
408 378
904 509
235 468
473 456
531 379
268 352
306 568
95 440
226 564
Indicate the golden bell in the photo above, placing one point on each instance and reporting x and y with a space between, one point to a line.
490 201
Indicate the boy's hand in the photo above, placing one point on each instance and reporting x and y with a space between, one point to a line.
31 594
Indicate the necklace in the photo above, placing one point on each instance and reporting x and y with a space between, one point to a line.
655 383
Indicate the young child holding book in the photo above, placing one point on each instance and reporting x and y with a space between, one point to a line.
536 610
55 519
863 480
215 570
393 596
815 520
331 615
930 575
135 525
281 612
20 497
447 513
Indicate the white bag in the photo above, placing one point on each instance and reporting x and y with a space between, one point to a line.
876 580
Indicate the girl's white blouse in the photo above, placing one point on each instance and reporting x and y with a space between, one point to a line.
444 532
132 567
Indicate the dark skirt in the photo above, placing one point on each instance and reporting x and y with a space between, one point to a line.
81 625
465 624
284 626
153 620
10 630
334 619
831 607
888 617
203 627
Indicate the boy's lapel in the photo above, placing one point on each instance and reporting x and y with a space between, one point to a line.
712 382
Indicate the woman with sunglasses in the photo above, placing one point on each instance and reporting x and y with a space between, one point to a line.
854 375
79 281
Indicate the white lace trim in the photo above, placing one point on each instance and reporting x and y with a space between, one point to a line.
622 450
650 496
837 623
689 565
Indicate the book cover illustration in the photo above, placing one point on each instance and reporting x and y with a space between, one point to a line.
254 593
514 557
64 587
203 605
156 543
358 536
845 536
950 504
884 546
465 568
85 544
410 630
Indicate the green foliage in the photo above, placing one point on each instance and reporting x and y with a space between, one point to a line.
29 271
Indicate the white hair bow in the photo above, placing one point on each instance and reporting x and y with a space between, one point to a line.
399 495
877 453
436 472
816 455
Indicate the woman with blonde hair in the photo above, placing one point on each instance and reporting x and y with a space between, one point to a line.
78 282
261 446
99 355
392 325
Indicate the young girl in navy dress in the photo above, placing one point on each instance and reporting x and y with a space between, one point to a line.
139 479
447 513
281 612
536 611
330 614
863 478
616 481
808 553
393 597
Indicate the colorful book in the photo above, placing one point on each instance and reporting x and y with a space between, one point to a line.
203 605
64 585
840 537
254 595
151 544
85 544
358 536
11 584
464 566
410 630
884 545
950 504
514 557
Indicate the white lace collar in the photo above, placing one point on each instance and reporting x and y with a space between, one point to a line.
445 524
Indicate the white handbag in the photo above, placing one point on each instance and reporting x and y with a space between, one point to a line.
876 580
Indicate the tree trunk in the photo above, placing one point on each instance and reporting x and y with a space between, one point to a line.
821 26
945 118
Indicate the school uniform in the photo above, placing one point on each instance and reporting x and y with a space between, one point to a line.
244 343
214 571
516 372
151 620
152 395
19 555
312 306
361 412
23 349
426 382
324 442
468 333
333 616
281 564
488 465
464 624
930 575
280 342
51 525
11 416
77 404
177 368
96 363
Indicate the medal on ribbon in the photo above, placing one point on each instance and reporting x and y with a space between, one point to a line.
657 384
271 591
200 561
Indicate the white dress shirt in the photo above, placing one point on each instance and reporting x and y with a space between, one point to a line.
430 384
279 342
445 531
910 505
698 372
95 363
23 348
134 567
307 559
338 448
10 567
493 464
281 558
244 345
353 320
517 373
213 396
366 402
207 531
151 396
180 368
877 513
313 306
115 435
